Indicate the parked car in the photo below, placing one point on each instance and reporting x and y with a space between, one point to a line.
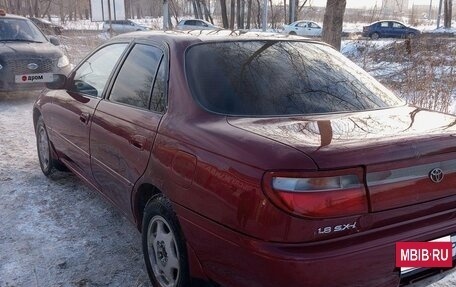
28 58
303 28
123 26
389 29
47 27
196 24
253 161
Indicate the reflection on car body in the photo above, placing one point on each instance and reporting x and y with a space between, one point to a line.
272 159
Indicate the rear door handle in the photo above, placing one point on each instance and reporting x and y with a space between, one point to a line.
84 117
138 141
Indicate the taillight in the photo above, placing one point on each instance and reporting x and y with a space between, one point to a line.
318 194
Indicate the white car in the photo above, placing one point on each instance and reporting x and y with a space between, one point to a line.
123 26
303 28
196 24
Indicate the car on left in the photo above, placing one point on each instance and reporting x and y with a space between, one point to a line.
28 59
47 27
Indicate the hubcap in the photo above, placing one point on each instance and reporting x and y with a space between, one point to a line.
43 147
163 252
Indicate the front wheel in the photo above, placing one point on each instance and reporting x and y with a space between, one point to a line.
292 33
44 148
411 35
164 246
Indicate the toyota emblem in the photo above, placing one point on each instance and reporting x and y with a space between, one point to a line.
32 66
436 175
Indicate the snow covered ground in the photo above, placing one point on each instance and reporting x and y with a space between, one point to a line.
57 232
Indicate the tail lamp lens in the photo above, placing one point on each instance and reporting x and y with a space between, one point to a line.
322 195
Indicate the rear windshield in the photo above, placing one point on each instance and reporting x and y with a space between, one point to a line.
266 78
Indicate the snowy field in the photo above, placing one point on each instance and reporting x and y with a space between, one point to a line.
57 232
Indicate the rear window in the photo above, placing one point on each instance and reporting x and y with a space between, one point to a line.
273 78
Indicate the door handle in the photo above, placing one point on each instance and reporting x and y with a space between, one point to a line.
138 141
84 117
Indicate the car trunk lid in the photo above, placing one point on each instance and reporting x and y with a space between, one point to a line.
398 148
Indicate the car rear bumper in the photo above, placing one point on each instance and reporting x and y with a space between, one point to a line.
233 259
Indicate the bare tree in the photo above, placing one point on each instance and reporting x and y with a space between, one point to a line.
332 22
224 13
232 11
249 13
448 13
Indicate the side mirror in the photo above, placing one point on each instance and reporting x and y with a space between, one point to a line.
58 83
54 40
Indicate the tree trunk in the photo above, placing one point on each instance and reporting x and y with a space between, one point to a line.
241 25
195 9
258 15
272 14
332 22
224 13
448 13
238 13
249 13
232 13
207 12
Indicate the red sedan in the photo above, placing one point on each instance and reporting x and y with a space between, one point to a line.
253 161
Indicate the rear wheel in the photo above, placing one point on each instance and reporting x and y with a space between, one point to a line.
164 246
375 36
292 33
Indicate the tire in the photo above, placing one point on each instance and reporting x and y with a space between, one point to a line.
292 33
164 246
375 36
43 147
411 35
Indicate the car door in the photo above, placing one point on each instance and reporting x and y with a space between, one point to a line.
73 107
314 29
301 29
398 30
125 123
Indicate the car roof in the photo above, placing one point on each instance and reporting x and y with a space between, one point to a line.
194 19
12 16
379 21
188 38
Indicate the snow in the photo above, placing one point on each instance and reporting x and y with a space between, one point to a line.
56 232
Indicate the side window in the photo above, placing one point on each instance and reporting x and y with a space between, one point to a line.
397 25
384 24
158 102
133 85
92 76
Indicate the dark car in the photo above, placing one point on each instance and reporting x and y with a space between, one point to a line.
253 161
47 27
389 29
28 58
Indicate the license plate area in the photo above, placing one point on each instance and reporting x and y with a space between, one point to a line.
34 78
411 271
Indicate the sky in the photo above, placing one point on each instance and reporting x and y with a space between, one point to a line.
371 3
